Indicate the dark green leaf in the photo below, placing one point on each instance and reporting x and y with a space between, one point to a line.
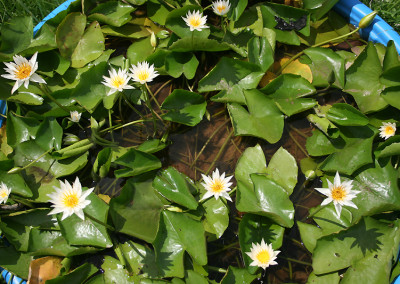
20 129
49 134
346 115
362 81
174 186
260 53
14 261
139 50
78 275
114 271
216 216
318 8
177 64
136 211
16 35
113 13
262 111
137 162
70 32
238 275
103 162
184 107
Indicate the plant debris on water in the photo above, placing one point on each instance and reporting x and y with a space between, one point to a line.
199 142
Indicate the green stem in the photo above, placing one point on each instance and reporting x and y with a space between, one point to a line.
220 152
34 161
295 260
224 248
154 98
315 212
131 106
110 123
147 101
315 45
99 222
217 269
46 90
116 127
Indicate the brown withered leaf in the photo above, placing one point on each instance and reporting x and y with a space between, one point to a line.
43 269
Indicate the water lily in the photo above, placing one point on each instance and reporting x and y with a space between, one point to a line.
217 185
262 254
117 81
143 72
69 199
4 193
22 71
221 7
340 193
195 20
387 130
75 116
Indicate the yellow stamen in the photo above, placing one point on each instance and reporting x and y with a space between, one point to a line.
117 81
143 75
221 8
23 71
338 193
217 186
71 200
195 22
3 194
263 256
389 130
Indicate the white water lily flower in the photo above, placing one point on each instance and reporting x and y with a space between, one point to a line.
4 193
221 7
22 71
75 116
340 193
262 254
387 130
217 186
69 199
143 72
195 20
117 81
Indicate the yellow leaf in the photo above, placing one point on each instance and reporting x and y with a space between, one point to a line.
43 269
298 68
105 198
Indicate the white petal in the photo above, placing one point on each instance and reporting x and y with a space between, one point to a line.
36 78
326 201
338 208
336 181
324 191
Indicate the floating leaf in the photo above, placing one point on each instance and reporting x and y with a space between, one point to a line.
114 271
184 107
141 217
112 13
362 81
346 115
137 162
175 186
69 33
216 216
78 275
238 275
177 233
178 63
16 35
15 261
262 112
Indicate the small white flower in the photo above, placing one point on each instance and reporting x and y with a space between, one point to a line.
218 185
143 72
69 199
117 81
221 7
22 71
70 139
4 193
387 130
195 21
75 116
262 254
340 193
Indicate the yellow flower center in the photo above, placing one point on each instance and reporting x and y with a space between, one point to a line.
71 200
23 71
217 186
3 194
389 130
263 256
143 75
338 193
117 81
195 21
221 8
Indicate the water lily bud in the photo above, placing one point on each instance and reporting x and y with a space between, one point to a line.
174 209
70 139
310 174
367 20
14 170
153 40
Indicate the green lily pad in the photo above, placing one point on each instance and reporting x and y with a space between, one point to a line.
346 115
260 52
177 63
78 275
136 163
239 275
184 107
177 233
15 261
113 13
114 271
216 216
69 33
262 112
175 186
136 211
16 35
362 81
